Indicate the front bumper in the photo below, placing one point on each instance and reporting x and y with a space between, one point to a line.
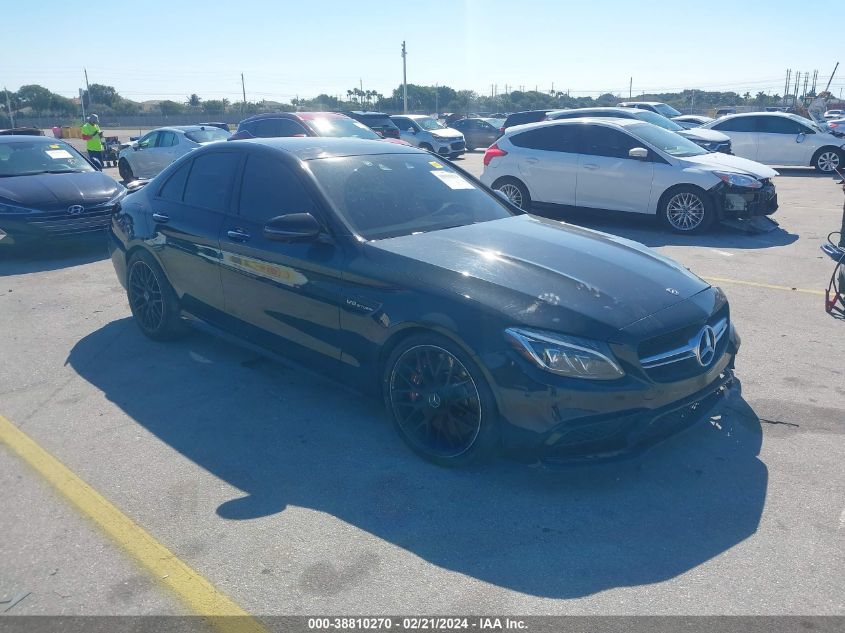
451 148
18 229
567 420
742 202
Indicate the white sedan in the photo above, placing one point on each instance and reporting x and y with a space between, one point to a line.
779 138
154 151
626 165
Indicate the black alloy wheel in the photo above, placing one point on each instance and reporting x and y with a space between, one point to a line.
152 300
441 409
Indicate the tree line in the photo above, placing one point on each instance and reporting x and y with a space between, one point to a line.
36 100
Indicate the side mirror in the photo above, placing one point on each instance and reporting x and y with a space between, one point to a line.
638 153
412 130
800 138
291 227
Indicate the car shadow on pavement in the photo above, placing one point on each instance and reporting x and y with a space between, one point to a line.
647 231
55 256
286 437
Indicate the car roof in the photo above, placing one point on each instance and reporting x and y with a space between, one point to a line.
11 138
367 113
305 116
311 147
609 121
643 102
626 112
737 115
412 116
185 128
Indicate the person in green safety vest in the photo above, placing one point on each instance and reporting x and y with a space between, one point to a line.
93 137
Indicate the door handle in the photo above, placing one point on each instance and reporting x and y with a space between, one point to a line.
161 218
237 235
532 161
591 166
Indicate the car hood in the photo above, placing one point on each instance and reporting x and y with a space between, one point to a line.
448 132
703 134
52 191
732 163
546 274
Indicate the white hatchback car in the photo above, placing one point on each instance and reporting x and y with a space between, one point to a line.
626 165
426 133
779 138
154 151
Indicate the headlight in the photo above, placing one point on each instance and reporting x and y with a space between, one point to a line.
566 355
738 180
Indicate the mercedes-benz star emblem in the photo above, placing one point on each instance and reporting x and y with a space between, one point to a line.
434 400
706 350
75 209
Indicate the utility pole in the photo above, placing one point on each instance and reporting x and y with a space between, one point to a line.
9 108
630 87
436 100
243 88
404 79
827 87
786 85
797 83
82 102
87 90
553 88
806 81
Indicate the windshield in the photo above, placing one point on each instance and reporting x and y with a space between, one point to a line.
427 123
666 110
344 127
666 141
496 123
370 192
28 157
207 135
658 120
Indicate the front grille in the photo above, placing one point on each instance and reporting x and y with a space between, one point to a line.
458 146
671 357
63 223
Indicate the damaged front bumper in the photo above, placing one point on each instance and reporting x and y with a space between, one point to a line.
733 201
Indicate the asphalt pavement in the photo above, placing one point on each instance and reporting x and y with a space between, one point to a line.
292 495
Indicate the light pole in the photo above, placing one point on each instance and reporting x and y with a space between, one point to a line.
404 80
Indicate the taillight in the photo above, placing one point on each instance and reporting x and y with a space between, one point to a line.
494 151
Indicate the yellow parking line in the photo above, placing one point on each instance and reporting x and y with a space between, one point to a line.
194 590
719 280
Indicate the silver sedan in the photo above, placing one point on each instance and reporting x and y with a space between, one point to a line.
154 151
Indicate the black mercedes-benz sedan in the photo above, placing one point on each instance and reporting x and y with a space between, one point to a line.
397 273
49 190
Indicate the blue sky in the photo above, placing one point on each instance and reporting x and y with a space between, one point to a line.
154 49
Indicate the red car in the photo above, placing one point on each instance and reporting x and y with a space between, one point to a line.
276 124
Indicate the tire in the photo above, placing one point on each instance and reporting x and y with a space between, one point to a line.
686 209
152 299
125 170
516 192
426 147
440 402
828 159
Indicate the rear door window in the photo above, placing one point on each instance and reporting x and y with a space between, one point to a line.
550 138
739 124
210 181
275 128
